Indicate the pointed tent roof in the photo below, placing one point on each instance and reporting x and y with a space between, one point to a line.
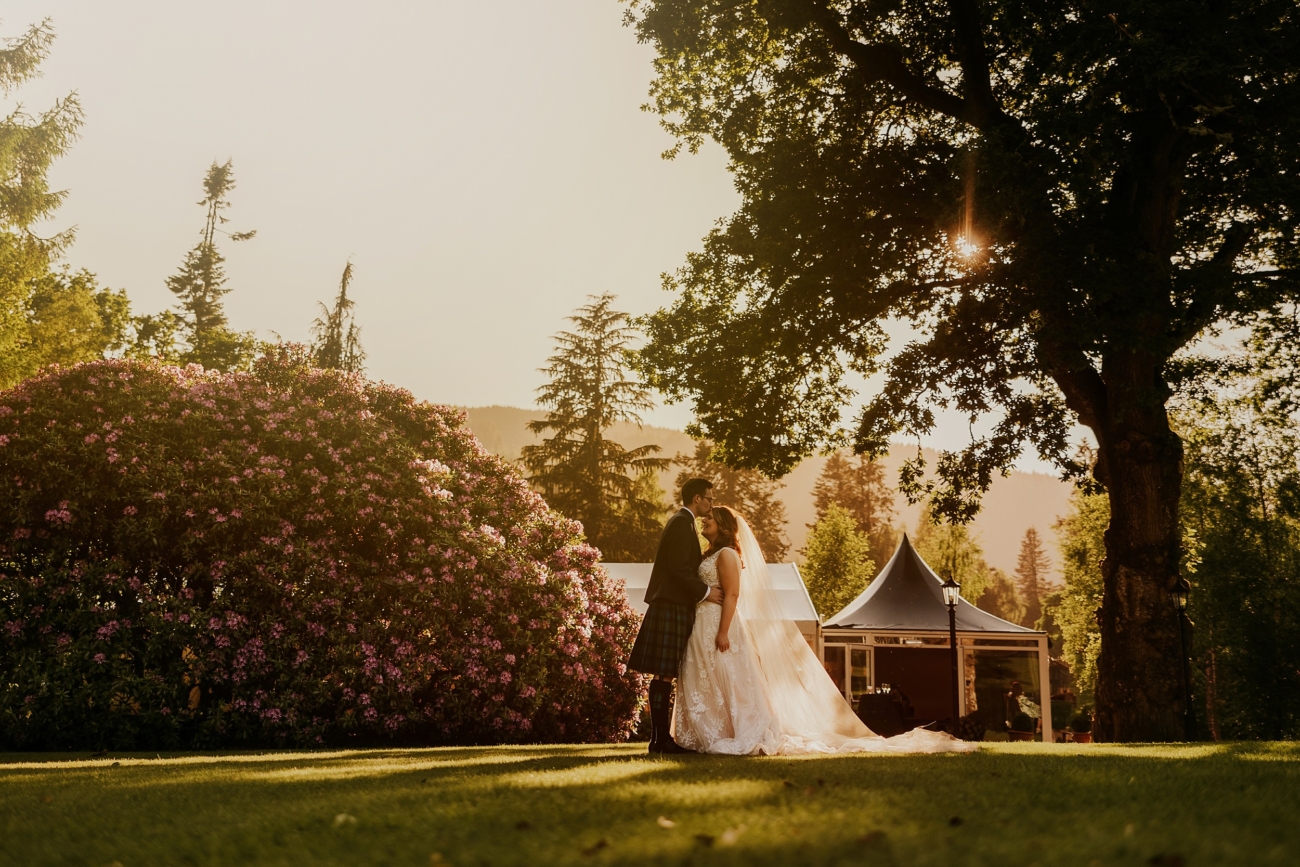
907 595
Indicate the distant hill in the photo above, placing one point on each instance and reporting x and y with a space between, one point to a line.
1012 505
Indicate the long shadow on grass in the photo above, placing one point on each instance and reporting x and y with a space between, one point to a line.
614 805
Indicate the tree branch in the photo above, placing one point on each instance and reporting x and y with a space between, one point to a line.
1208 296
975 65
885 63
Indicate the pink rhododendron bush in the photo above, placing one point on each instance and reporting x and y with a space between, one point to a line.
289 556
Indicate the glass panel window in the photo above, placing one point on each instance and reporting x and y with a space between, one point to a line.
834 662
859 670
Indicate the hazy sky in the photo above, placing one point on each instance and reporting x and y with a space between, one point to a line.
484 164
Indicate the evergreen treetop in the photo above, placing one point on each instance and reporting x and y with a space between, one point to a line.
582 473
200 284
336 337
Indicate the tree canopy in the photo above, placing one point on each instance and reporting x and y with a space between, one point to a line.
837 561
1058 198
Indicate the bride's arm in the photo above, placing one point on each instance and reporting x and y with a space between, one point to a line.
729 578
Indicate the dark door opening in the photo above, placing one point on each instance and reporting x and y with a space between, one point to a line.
924 674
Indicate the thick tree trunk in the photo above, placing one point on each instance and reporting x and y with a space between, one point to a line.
1139 685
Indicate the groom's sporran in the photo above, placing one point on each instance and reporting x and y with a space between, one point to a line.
675 589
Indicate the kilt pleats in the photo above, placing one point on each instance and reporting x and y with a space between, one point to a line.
662 639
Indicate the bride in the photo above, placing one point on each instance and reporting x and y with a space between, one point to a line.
749 683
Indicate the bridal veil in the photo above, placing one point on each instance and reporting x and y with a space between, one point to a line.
811 714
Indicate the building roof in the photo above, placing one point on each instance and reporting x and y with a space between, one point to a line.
791 594
907 596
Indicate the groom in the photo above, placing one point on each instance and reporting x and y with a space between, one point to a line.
675 589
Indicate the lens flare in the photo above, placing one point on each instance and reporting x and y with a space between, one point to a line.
967 247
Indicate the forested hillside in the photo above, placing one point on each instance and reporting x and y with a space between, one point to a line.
1014 504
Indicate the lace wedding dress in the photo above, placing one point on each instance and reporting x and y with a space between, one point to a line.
768 694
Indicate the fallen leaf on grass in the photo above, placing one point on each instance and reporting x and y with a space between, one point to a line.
954 821
116 765
522 825
704 839
873 838
731 835
665 822
436 860
344 819
820 781
596 847
787 784
45 799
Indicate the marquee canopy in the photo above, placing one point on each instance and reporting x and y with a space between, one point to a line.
907 595
791 594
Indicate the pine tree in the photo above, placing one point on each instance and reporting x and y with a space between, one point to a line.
1031 576
953 552
837 561
749 492
29 145
858 485
200 284
1001 598
580 471
336 338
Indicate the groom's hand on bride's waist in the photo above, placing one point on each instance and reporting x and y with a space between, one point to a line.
715 595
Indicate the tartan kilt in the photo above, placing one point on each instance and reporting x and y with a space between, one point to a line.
662 639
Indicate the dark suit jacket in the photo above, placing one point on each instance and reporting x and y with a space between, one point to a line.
676 573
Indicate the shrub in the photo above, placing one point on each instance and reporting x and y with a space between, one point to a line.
287 556
1082 722
1023 722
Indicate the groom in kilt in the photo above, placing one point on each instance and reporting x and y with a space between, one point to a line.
675 589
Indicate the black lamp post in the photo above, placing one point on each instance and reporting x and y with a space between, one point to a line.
951 593
1179 597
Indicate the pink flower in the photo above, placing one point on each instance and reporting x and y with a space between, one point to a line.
129 510
99 658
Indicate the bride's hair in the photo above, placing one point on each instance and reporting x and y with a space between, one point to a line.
728 530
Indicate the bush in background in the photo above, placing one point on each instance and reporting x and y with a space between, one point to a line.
287 556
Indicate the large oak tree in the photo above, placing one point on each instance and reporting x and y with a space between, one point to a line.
1058 197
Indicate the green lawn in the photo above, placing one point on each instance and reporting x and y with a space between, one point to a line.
1008 805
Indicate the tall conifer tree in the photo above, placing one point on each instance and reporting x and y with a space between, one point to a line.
28 147
200 284
336 337
1032 568
580 471
858 485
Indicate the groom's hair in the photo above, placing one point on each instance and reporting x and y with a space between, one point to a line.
694 488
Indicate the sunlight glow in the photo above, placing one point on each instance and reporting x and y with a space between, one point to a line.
967 246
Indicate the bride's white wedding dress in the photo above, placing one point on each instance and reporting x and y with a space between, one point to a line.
768 694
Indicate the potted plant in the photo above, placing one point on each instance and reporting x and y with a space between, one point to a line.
1081 728
1022 727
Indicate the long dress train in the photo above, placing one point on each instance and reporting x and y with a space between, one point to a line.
768 694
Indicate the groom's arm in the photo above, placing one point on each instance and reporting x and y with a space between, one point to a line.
684 548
